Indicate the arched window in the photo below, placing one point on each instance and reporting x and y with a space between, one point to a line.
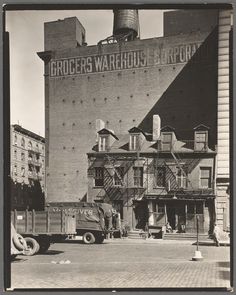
30 145
22 142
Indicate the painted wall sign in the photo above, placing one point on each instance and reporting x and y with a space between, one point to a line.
123 60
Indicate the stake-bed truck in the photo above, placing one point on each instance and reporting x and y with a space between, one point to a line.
86 221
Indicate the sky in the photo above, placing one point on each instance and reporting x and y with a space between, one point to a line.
26 31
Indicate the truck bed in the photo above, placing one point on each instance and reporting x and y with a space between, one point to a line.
43 222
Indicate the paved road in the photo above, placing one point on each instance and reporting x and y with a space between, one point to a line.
123 264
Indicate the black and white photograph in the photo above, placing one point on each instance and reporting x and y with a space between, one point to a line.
119 148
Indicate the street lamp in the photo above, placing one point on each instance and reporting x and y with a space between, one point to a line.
198 254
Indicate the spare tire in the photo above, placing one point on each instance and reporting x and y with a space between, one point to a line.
88 238
19 242
33 246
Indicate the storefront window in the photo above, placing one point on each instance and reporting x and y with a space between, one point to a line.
199 208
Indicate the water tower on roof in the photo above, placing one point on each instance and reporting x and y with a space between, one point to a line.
126 23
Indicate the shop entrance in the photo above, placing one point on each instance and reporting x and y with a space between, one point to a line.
176 216
140 214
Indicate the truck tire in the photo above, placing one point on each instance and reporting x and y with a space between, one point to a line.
99 239
19 242
33 246
88 238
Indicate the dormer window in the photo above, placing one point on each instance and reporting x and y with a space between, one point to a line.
103 143
167 139
136 139
106 139
134 142
201 138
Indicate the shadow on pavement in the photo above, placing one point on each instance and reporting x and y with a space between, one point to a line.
51 252
224 264
204 244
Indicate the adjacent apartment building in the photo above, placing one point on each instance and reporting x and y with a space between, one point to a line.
27 157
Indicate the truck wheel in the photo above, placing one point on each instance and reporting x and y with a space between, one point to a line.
33 246
88 238
99 239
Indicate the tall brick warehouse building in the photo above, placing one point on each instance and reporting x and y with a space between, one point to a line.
124 80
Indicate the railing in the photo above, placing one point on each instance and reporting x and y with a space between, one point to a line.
183 145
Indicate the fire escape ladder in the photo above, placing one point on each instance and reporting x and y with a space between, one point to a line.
181 168
170 178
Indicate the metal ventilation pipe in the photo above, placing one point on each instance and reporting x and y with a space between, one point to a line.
126 22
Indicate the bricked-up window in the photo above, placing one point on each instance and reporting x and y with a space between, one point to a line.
138 176
134 142
160 176
99 176
181 178
167 141
103 143
201 140
205 177
119 176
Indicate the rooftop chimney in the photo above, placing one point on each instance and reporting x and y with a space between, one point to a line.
100 124
156 131
126 22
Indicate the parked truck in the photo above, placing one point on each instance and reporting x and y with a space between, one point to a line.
90 222
42 228
93 220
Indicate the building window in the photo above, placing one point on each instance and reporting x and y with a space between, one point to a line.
160 176
134 142
15 140
166 141
30 145
15 169
138 176
119 176
23 171
205 177
22 142
201 138
103 143
22 157
15 154
99 176
181 178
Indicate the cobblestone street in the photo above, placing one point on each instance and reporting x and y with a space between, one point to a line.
123 264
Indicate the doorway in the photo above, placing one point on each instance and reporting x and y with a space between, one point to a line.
176 216
140 214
